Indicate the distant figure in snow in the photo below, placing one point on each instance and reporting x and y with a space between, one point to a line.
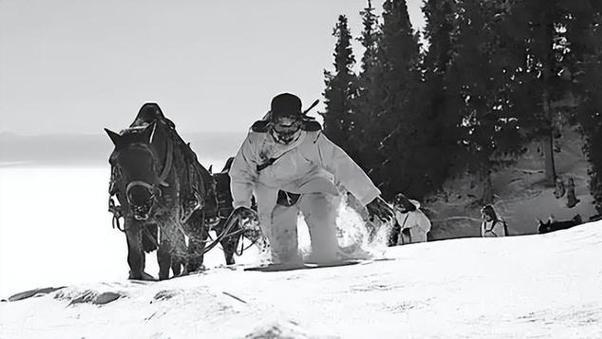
492 225
570 194
559 189
291 168
412 225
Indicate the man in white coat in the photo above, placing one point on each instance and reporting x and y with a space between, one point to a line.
414 225
291 167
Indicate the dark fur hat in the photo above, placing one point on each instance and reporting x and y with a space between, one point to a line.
402 201
488 210
285 105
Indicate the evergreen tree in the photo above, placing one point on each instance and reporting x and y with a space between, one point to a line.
479 86
369 38
341 90
366 104
548 34
397 78
440 108
589 112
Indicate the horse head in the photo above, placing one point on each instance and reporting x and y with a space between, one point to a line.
138 164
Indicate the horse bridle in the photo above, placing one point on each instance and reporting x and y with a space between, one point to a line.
153 188
155 192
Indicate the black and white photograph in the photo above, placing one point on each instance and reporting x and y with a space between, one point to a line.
300 169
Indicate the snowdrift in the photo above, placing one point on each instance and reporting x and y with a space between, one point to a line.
524 286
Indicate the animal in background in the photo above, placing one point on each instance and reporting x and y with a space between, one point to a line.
551 225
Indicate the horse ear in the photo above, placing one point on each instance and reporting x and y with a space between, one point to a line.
115 138
210 169
149 132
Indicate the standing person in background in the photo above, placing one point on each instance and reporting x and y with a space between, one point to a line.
291 168
559 189
412 225
571 199
492 225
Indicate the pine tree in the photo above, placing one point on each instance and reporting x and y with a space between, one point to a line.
480 91
341 90
548 34
396 81
369 39
589 111
440 107
366 105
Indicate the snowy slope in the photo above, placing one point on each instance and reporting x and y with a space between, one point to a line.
521 196
525 286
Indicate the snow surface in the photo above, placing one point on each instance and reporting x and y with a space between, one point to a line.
524 286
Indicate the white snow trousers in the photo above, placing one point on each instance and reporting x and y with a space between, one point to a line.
280 226
412 235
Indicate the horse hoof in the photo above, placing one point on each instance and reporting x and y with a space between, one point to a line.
182 274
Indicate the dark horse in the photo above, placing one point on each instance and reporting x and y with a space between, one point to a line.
165 195
552 225
233 244
225 208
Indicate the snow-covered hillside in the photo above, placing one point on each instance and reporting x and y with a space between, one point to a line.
525 286
520 193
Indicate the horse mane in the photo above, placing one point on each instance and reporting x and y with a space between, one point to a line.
180 158
228 164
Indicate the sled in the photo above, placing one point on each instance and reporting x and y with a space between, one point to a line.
305 266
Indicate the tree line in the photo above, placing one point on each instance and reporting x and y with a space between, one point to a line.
486 78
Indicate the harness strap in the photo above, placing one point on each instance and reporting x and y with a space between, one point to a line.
401 228
266 164
168 163
117 213
490 230
135 183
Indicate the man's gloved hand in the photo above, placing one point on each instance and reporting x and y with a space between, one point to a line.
380 209
245 214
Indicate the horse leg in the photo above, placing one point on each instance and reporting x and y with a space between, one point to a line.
133 235
164 258
177 259
196 242
229 244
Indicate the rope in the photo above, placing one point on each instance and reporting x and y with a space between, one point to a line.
171 218
229 224
242 248
117 213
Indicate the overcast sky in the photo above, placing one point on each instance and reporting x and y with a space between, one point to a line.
77 66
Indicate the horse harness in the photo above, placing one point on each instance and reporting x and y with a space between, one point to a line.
153 188
211 218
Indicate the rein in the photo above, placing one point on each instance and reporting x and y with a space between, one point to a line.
202 188
115 209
